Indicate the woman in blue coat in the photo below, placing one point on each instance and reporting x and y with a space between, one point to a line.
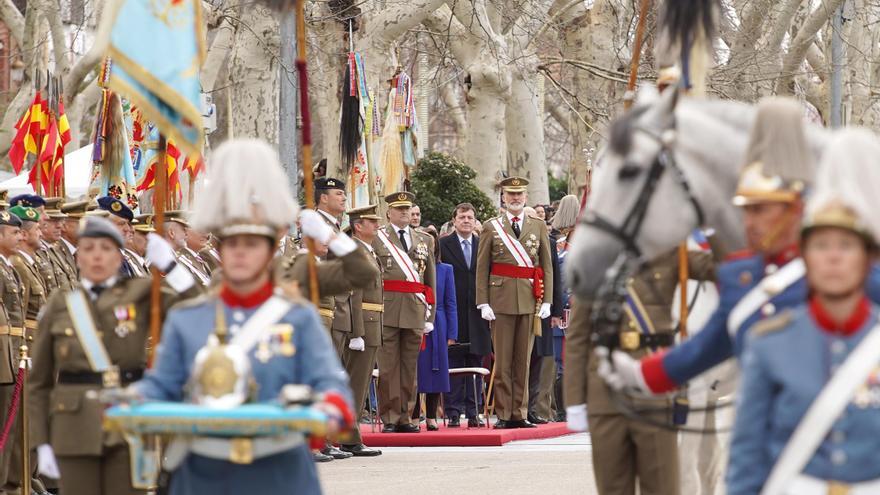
433 371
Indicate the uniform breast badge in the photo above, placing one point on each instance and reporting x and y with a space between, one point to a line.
868 395
282 339
125 320
421 256
532 246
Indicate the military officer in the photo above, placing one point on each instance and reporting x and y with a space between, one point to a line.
330 203
121 216
247 226
367 306
25 264
175 233
50 265
112 315
752 284
808 417
11 339
408 279
196 242
633 452
141 227
65 249
514 287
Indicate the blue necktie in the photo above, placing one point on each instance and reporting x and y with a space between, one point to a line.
466 248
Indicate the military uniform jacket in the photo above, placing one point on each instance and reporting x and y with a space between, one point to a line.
654 285
11 322
64 414
507 295
352 271
50 271
35 292
341 302
366 307
404 310
194 266
135 263
787 361
67 262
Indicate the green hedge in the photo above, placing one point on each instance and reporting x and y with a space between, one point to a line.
440 182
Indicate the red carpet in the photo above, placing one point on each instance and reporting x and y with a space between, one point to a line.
459 437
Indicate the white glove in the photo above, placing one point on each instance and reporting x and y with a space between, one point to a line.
46 463
429 327
544 312
357 344
312 225
576 417
486 312
160 253
626 372
342 245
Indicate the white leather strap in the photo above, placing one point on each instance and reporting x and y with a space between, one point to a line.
269 313
513 245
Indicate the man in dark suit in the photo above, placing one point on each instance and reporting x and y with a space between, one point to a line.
459 249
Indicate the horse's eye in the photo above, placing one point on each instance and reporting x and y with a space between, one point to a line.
628 172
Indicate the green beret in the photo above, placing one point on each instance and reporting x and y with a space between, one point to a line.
25 213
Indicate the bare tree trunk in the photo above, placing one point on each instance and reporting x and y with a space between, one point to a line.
525 136
253 73
486 141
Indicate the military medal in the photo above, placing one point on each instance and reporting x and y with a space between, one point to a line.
287 348
263 353
125 320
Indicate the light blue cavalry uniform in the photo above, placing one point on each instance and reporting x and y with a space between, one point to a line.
724 333
786 363
314 363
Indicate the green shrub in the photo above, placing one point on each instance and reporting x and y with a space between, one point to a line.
440 182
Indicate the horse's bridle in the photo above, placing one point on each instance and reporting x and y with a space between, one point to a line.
632 224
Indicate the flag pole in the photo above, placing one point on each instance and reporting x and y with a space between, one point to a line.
159 194
308 175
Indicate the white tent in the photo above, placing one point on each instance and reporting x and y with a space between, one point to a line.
77 174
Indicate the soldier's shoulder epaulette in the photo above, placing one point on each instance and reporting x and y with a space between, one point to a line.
773 324
739 255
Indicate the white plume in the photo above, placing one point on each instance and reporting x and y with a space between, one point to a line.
245 184
849 174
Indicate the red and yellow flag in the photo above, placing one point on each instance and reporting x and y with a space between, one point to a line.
172 159
63 124
18 150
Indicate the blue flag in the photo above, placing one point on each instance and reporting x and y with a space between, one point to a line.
157 48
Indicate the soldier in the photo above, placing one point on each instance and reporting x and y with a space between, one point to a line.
514 278
634 452
25 264
294 349
195 242
121 216
11 339
175 233
210 255
330 202
808 417
365 338
752 284
65 249
141 227
51 266
92 337
407 257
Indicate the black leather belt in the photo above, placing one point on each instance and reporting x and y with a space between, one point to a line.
633 341
100 379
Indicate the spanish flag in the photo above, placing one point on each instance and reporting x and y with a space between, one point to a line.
63 124
18 150
172 158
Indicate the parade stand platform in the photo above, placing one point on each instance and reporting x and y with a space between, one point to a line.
460 437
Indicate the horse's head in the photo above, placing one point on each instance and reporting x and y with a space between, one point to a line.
652 184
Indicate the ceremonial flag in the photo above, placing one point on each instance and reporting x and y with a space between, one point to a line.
18 150
157 48
194 165
172 158
63 124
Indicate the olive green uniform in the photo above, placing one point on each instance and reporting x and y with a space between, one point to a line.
65 409
632 451
12 333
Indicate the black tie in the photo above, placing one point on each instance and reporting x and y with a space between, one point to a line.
98 289
403 239
515 225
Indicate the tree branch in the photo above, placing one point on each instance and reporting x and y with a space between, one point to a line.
801 43
13 19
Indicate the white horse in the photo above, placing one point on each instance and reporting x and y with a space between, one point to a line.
692 150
